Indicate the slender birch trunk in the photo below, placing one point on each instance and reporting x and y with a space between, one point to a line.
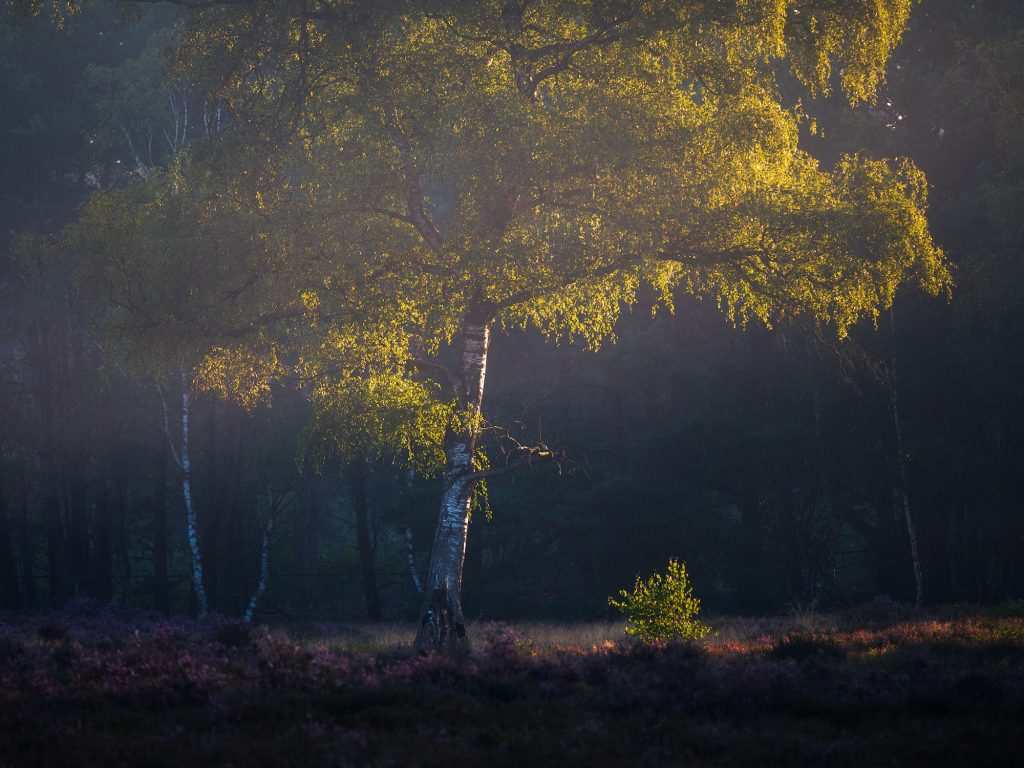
183 458
190 510
261 585
441 622
901 462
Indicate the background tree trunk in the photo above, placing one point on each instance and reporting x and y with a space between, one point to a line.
307 540
123 541
410 556
26 545
103 552
76 503
358 475
233 571
161 597
10 593
37 347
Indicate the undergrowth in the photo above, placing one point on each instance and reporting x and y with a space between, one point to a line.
109 689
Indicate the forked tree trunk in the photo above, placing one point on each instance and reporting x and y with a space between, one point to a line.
441 622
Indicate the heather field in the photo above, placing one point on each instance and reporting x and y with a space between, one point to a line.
91 687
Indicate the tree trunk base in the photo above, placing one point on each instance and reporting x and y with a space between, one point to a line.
442 627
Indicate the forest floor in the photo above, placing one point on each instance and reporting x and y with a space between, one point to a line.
874 687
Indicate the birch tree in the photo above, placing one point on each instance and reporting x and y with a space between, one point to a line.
535 162
161 268
181 452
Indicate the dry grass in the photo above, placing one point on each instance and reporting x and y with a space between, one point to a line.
552 635
937 689
394 636
728 632
548 636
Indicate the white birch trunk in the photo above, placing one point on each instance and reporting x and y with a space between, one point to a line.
190 511
261 585
441 621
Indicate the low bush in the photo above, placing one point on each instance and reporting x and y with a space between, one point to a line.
662 608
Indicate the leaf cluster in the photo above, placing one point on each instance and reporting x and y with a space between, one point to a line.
662 607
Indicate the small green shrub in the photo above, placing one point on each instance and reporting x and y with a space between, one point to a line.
662 608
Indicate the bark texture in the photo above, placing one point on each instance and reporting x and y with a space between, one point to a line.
202 606
442 624
183 459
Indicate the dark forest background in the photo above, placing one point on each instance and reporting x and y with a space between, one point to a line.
772 461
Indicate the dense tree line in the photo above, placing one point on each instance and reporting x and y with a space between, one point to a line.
783 465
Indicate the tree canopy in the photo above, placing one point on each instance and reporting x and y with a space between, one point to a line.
380 183
544 159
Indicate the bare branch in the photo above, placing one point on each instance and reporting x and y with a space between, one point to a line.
520 456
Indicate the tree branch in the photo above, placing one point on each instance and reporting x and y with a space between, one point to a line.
413 185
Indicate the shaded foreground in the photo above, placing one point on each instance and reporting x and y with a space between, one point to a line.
92 689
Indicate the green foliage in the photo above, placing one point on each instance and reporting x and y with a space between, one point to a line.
165 266
662 608
546 163
381 415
